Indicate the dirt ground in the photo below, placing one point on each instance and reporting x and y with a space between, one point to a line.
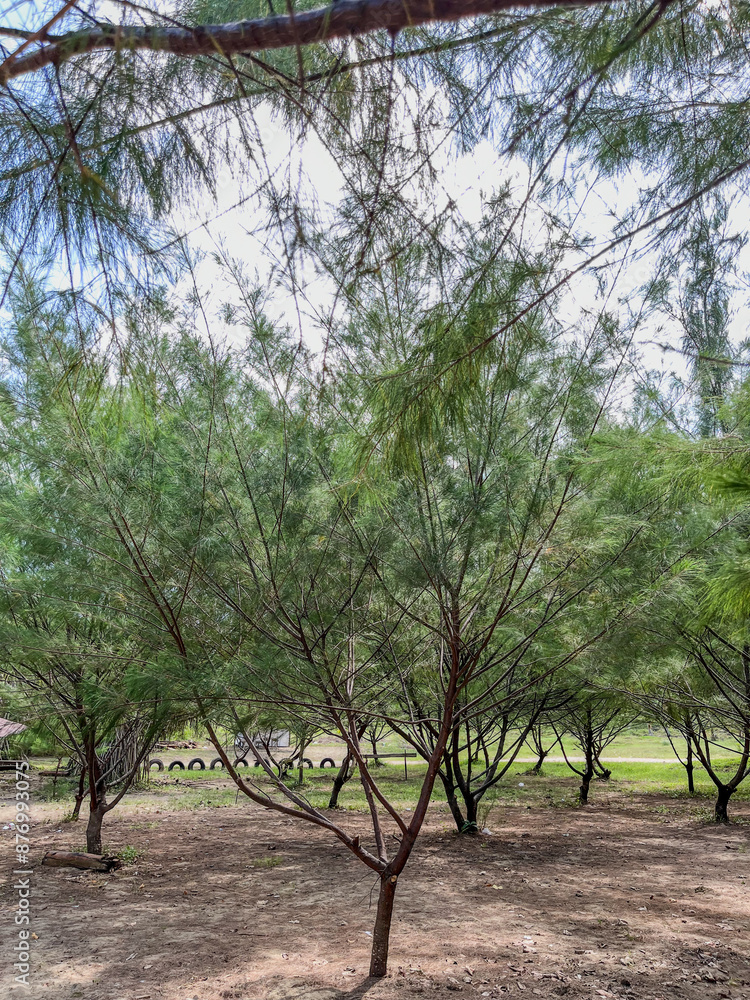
637 900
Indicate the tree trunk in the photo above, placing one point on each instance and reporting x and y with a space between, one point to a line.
722 802
538 766
600 770
588 774
303 745
583 791
94 830
470 823
382 930
79 795
452 799
689 769
455 808
343 775
486 753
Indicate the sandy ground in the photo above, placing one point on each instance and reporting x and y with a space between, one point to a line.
636 900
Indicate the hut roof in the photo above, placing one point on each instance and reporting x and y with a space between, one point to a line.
8 728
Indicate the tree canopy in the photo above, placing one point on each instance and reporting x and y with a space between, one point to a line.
330 391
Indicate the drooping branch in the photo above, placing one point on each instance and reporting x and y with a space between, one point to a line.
347 18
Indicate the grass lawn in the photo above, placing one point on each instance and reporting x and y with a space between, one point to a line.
556 787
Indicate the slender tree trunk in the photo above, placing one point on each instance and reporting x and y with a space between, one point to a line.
486 753
538 766
583 791
94 829
382 930
79 795
343 775
455 808
458 816
97 796
470 825
588 774
452 800
689 768
722 802
600 770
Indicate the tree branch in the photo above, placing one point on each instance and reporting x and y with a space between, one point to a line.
340 20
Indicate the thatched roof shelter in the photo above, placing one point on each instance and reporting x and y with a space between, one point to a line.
8 728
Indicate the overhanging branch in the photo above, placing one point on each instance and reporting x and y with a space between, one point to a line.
347 18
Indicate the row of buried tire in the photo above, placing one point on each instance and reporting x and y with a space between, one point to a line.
197 763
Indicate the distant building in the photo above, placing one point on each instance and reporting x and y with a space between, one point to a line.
273 739
276 738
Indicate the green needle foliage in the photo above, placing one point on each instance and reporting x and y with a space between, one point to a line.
111 153
464 513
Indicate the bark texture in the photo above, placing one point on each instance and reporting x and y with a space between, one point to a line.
94 830
382 930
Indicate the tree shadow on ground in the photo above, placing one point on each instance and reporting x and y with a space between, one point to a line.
303 989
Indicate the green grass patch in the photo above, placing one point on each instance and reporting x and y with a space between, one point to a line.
556 787
129 854
272 861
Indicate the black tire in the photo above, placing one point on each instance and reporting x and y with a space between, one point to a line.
159 764
241 760
307 762
329 761
217 762
197 761
176 763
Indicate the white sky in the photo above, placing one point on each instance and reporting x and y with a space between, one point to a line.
462 179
